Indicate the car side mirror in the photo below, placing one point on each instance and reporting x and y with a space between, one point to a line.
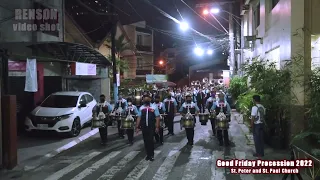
82 105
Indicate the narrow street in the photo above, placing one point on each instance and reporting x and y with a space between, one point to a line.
173 160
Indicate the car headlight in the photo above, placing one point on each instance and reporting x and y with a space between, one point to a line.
63 117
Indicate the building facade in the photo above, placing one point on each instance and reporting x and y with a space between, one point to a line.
274 30
142 38
170 59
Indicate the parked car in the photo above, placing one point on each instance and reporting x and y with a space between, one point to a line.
62 112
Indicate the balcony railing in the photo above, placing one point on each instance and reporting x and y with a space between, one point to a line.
143 30
143 72
143 48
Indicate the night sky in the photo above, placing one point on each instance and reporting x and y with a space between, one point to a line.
167 32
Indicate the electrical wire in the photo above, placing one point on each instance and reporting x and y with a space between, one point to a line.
201 16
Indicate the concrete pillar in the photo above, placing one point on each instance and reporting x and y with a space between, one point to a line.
10 158
301 57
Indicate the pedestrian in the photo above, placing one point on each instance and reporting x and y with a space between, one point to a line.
106 108
171 109
149 122
162 109
194 109
257 124
130 110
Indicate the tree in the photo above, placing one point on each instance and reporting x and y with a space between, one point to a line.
121 46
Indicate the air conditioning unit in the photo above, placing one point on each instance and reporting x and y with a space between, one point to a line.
248 45
250 38
244 9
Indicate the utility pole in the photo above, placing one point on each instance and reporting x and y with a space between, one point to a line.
231 29
231 39
113 51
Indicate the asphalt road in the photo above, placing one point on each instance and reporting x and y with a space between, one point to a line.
174 160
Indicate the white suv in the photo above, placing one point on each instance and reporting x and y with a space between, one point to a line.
62 112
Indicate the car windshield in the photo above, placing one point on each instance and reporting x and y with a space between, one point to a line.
60 101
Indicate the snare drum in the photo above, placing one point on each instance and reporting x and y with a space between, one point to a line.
97 123
127 123
203 118
222 125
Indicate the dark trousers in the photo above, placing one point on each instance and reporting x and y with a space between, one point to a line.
103 134
120 131
130 133
169 122
148 134
190 134
213 126
159 136
223 136
258 138
201 106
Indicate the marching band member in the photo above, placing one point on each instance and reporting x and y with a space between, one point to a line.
209 104
194 109
132 109
123 104
106 108
179 98
171 109
201 100
162 109
149 122
222 132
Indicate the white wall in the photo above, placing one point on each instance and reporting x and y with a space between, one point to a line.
275 29
7 34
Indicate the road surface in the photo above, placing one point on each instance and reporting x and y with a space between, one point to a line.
173 161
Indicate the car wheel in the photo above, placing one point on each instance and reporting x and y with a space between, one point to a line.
76 128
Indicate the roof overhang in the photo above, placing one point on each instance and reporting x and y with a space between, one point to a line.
72 52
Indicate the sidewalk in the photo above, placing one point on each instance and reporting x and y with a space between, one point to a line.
248 143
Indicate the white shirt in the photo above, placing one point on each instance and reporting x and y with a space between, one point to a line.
256 113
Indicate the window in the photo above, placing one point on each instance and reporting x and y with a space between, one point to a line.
274 3
139 39
256 14
83 100
89 98
139 63
60 101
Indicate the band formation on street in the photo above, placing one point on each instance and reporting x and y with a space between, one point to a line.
155 114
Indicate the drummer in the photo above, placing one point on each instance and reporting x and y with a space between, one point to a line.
193 108
121 103
162 110
106 108
132 110
209 104
222 132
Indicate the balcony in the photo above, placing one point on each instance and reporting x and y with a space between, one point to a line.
143 30
143 48
143 72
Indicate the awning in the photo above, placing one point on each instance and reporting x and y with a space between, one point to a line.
72 52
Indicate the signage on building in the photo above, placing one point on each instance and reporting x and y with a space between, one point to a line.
156 78
118 80
83 69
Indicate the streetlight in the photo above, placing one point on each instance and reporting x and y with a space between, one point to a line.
161 62
215 10
205 12
184 26
209 51
198 51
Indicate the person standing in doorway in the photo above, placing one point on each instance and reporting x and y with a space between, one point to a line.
257 123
